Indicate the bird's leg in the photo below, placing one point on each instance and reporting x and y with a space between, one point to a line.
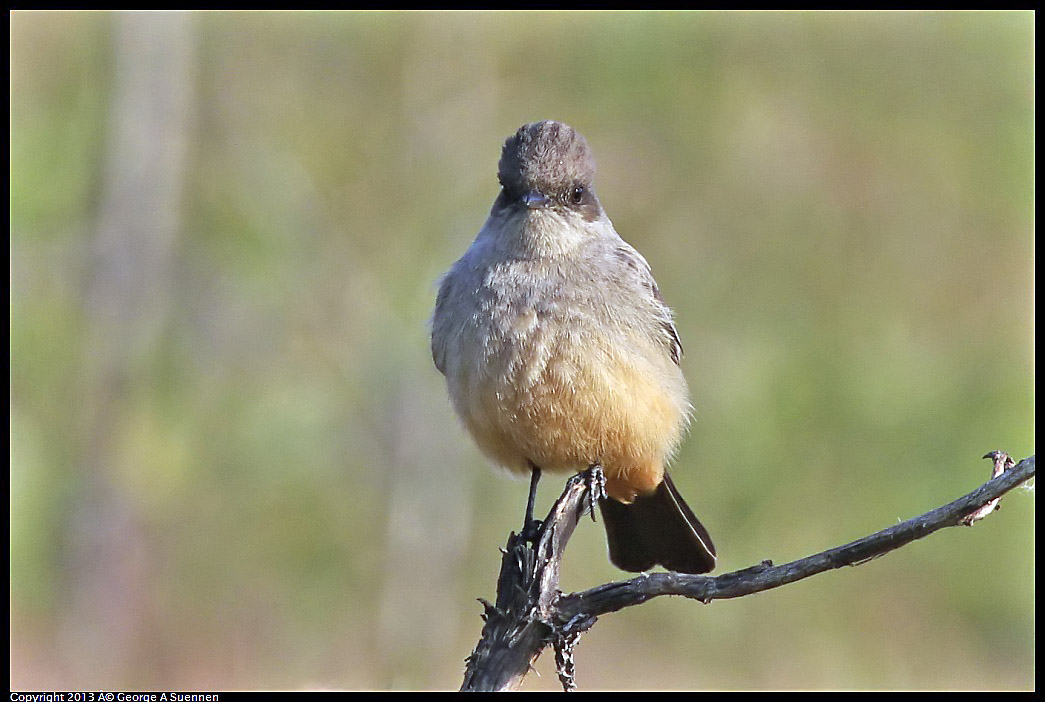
596 480
532 526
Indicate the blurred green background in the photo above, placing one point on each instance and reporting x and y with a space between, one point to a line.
234 466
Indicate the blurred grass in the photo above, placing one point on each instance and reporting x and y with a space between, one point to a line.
839 207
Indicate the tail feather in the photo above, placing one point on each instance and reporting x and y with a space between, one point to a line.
657 529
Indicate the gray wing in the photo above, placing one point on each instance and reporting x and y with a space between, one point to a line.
438 324
638 267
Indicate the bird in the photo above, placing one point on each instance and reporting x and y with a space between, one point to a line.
559 352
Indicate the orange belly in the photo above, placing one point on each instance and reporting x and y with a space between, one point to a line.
568 415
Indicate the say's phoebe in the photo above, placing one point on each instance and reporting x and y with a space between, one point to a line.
559 352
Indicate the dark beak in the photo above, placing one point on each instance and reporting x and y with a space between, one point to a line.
535 199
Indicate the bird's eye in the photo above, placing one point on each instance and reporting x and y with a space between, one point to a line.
577 194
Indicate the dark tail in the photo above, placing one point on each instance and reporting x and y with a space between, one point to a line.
657 529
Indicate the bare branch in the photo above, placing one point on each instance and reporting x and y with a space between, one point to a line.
531 613
518 626
1002 462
